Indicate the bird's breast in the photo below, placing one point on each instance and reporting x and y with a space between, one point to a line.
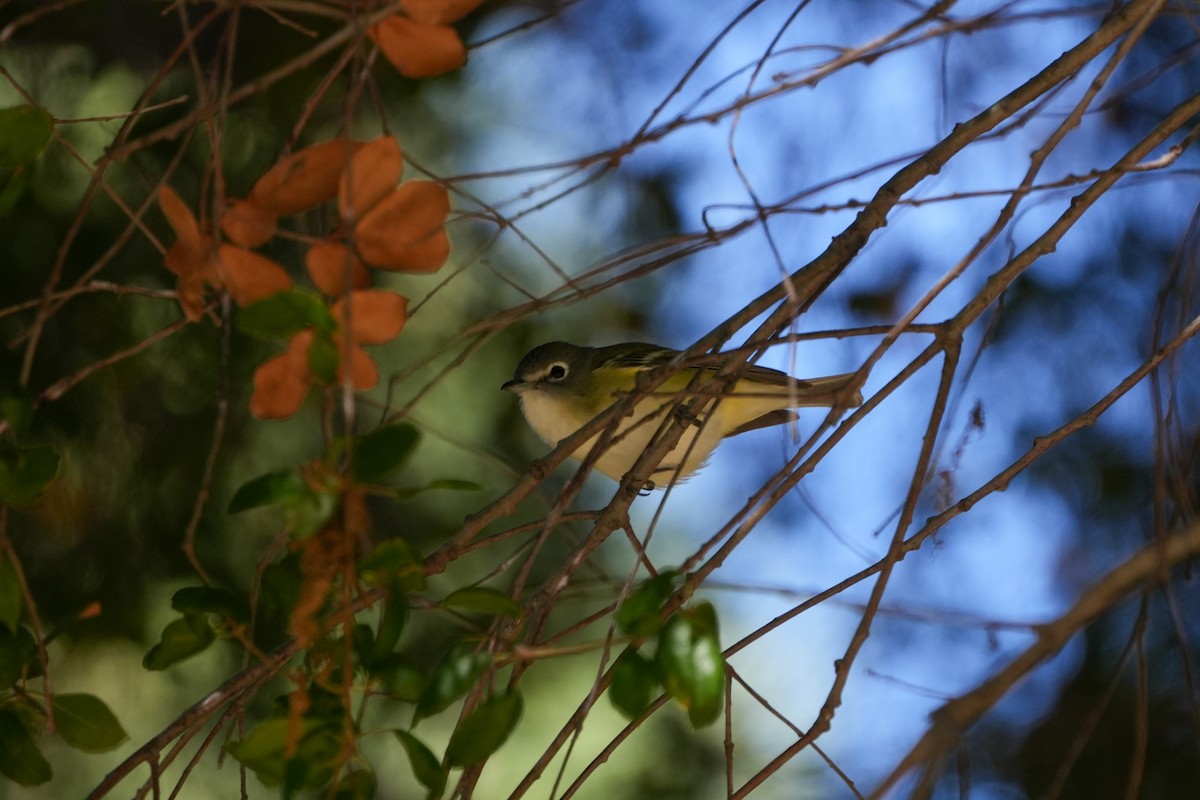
552 418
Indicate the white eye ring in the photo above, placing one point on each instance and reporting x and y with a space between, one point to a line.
557 371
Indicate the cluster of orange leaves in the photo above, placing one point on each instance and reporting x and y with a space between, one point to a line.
420 42
389 227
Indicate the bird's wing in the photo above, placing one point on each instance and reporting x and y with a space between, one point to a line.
634 355
641 356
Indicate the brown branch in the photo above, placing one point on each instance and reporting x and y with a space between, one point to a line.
1149 566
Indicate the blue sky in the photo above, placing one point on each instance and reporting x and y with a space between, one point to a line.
1007 561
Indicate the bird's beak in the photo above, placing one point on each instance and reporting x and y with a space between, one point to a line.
515 386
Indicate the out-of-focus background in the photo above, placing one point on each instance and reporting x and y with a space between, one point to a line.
641 171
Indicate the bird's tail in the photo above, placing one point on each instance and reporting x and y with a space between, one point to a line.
834 390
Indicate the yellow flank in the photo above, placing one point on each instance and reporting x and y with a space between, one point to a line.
747 401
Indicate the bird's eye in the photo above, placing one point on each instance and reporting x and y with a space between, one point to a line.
557 372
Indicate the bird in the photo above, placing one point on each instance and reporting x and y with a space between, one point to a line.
563 386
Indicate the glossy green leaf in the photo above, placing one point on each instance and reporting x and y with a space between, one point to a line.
639 615
283 314
181 639
383 451
10 592
482 599
358 785
24 132
634 683
394 560
674 657
20 759
25 472
323 357
319 751
708 681
482 731
425 765
400 678
691 665
210 600
18 655
86 723
391 622
454 675
271 489
263 751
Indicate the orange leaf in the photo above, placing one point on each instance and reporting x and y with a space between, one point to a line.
281 383
326 265
247 224
363 372
376 316
303 180
190 293
406 231
179 217
250 277
373 173
186 259
439 12
416 49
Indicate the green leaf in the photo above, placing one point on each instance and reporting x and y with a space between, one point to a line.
263 751
691 665
708 681
364 642
271 489
16 408
454 675
323 357
181 639
639 615
20 759
10 592
358 785
674 657
442 484
24 132
25 472
425 765
382 451
18 657
391 622
400 678
284 314
86 723
482 599
308 512
394 560
210 600
281 587
634 682
13 181
482 731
